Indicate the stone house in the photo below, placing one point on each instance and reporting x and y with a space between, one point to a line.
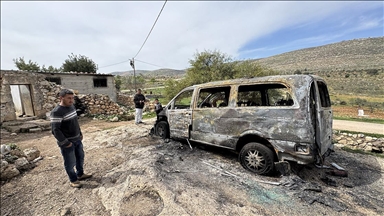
26 93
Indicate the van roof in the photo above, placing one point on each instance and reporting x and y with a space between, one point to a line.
293 78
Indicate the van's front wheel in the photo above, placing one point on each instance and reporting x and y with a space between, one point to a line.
162 129
257 158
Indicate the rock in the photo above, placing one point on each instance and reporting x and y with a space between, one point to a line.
376 150
342 142
18 153
22 164
5 149
3 163
368 148
34 130
32 153
377 144
350 142
115 119
65 211
10 158
368 138
9 172
13 134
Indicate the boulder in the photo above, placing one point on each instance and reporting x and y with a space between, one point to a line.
32 153
18 153
9 172
5 149
22 164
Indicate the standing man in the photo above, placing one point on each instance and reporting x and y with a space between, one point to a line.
139 100
66 130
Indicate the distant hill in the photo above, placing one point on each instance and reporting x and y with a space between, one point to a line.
357 54
165 72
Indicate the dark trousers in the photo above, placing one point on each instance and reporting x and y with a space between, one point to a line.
73 156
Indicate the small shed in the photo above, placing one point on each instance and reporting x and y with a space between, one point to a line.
24 93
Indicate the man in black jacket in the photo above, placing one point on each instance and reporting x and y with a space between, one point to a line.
139 100
66 130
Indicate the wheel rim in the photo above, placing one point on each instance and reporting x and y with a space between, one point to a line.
160 130
255 160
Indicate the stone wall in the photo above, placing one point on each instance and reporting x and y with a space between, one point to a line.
359 141
100 104
127 100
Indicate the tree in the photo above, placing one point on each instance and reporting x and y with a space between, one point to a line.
50 69
118 82
210 66
249 69
79 64
22 65
127 82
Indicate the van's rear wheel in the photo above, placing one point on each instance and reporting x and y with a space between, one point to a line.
162 129
257 158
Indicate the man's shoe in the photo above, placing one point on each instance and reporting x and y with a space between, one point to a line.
84 176
75 184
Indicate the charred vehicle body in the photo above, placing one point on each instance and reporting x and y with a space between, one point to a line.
268 120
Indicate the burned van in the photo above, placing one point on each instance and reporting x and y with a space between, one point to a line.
267 120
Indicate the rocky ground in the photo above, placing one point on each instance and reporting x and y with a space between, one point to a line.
136 174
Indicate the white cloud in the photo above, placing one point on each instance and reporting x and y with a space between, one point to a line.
111 32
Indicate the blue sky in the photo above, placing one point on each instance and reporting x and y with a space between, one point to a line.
112 32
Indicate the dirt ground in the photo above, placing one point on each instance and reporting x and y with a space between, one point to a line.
136 174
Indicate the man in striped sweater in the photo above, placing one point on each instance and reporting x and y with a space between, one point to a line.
66 130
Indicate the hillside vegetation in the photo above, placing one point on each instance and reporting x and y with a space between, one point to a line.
346 56
357 54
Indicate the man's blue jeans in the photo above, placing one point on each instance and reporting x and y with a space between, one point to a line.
73 156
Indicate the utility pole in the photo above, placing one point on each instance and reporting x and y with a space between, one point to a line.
132 63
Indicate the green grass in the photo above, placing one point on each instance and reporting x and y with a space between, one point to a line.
348 98
366 134
149 115
370 120
359 151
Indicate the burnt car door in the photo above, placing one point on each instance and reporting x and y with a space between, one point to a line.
323 116
180 114
209 124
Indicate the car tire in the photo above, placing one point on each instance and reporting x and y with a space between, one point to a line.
257 158
162 129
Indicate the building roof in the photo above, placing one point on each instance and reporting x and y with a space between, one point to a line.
60 73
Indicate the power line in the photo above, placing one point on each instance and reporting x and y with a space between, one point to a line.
149 63
151 29
141 45
114 64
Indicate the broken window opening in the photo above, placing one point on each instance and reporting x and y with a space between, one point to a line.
183 101
264 95
213 97
324 95
99 82
56 80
